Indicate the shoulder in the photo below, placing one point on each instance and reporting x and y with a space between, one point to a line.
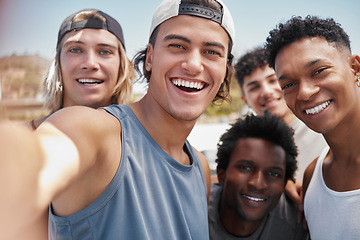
81 117
282 222
88 128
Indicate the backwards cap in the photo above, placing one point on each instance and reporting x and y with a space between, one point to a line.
110 25
172 8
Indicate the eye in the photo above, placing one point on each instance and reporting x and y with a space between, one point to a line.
318 71
105 52
74 50
253 88
245 168
212 52
274 81
287 85
274 174
175 45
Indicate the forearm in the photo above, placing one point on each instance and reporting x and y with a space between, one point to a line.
21 160
34 167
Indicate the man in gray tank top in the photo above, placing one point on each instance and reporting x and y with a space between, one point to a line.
127 172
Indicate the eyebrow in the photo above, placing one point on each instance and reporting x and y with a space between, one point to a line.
308 65
174 36
253 162
312 63
185 39
81 42
255 81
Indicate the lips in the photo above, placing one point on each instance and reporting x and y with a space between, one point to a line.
318 108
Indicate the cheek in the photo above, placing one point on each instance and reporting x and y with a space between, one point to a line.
114 72
67 65
289 100
235 179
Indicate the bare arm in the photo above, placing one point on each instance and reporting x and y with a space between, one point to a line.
38 166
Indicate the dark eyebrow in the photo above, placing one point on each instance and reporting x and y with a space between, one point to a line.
308 65
215 44
255 81
253 162
246 161
251 83
174 36
312 63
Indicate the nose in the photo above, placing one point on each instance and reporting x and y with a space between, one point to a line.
193 64
90 61
257 181
306 89
266 90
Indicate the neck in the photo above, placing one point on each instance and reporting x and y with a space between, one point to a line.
169 133
289 117
344 138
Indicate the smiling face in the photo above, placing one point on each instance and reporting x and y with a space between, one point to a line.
188 65
261 91
319 83
89 61
253 182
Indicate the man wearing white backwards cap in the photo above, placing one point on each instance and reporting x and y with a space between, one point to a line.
128 172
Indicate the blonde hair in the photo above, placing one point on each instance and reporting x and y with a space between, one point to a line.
52 87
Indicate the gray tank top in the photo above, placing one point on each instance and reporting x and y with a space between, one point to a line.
152 196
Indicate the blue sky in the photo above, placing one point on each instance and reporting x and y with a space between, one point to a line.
31 26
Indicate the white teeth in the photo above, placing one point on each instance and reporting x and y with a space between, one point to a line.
317 109
88 81
254 198
188 84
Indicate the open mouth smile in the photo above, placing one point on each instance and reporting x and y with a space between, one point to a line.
188 86
255 199
318 108
89 81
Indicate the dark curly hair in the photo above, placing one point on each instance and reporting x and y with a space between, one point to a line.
140 58
267 127
248 63
297 28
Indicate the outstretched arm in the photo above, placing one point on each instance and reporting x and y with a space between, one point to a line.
23 181
35 167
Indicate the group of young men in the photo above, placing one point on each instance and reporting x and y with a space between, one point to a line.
128 172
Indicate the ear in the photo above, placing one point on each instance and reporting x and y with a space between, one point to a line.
221 176
355 64
149 56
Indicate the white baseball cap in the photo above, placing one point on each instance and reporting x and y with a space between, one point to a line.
172 8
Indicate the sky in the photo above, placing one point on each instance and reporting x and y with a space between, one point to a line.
30 27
